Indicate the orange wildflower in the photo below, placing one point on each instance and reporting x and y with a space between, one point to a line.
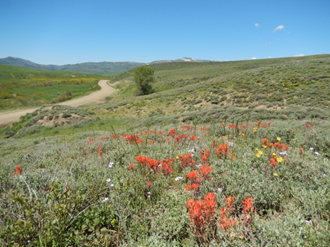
18 171
273 162
131 166
192 175
172 132
248 209
205 171
193 187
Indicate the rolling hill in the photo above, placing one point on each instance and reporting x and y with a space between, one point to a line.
231 153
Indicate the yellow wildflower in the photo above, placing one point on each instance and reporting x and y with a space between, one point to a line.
275 174
259 153
278 138
279 159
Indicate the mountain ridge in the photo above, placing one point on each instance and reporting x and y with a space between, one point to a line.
101 68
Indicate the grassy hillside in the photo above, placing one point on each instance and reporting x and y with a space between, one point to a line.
223 154
169 73
288 88
21 87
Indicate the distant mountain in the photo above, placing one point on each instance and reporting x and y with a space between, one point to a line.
19 62
101 68
184 59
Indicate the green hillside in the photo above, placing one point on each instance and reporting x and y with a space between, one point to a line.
287 88
222 154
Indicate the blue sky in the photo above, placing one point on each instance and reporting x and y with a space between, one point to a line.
67 31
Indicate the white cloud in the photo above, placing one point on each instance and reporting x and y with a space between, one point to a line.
278 28
256 25
253 58
299 55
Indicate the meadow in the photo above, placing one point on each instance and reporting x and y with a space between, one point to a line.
22 87
233 157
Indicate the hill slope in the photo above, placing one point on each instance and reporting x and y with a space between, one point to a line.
286 88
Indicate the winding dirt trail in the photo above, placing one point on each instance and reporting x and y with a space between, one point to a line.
13 116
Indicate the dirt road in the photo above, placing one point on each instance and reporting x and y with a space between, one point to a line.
106 90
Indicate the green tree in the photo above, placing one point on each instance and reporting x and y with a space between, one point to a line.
143 77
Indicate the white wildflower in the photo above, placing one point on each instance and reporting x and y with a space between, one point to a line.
230 144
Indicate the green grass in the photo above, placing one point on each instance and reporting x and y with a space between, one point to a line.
64 195
21 87
285 88
47 94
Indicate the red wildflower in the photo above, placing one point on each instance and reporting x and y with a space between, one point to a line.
205 170
225 220
226 223
265 141
192 175
193 187
248 209
273 162
202 212
187 160
205 157
230 202
148 183
131 166
18 171
223 151
132 138
172 132
232 126
187 127
101 153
